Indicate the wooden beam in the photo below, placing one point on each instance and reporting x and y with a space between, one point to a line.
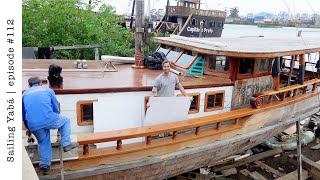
269 169
312 167
139 34
244 174
250 159
294 175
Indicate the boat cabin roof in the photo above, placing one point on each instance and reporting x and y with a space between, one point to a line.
95 80
245 47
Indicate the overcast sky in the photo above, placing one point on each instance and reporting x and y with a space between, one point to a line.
245 6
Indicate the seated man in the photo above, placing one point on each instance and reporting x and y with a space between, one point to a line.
40 113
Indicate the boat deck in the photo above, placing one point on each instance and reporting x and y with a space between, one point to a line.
95 80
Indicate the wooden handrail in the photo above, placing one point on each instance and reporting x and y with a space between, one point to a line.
99 137
257 99
240 117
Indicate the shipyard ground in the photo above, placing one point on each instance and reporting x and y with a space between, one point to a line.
285 163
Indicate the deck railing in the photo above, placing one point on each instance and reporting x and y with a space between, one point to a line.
289 91
192 129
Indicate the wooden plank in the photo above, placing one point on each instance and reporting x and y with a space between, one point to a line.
256 175
245 174
250 159
269 169
294 175
312 167
28 171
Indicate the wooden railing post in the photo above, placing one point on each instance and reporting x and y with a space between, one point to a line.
96 54
148 139
218 126
197 130
85 149
119 144
174 135
283 96
270 99
314 87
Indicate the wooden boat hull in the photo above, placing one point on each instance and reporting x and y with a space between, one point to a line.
171 160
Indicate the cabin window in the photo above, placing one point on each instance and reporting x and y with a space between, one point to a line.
194 21
173 54
186 59
214 101
246 66
212 24
85 112
195 104
219 63
203 23
164 50
220 24
263 65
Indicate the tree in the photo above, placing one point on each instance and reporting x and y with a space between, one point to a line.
234 12
48 23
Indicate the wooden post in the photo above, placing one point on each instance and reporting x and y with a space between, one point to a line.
132 13
218 126
314 87
276 82
291 69
96 54
174 135
119 144
299 150
197 130
85 149
139 35
301 68
148 139
270 99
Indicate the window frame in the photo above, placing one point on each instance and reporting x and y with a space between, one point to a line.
80 105
190 64
206 108
180 54
197 102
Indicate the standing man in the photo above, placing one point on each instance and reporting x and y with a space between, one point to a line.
166 83
40 113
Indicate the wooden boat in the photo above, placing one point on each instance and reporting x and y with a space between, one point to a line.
239 101
187 19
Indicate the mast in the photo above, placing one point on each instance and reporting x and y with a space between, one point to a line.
132 13
139 34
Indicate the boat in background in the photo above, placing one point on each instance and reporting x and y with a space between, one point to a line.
187 19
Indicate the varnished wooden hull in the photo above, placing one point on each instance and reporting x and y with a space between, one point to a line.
169 161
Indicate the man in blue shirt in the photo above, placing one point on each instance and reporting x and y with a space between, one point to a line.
40 113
